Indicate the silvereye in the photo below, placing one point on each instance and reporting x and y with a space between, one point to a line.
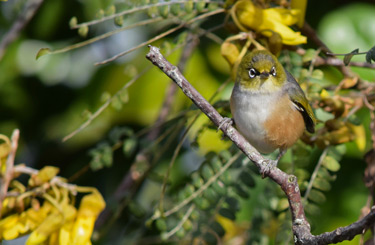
268 106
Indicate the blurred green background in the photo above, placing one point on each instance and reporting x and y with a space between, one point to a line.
46 98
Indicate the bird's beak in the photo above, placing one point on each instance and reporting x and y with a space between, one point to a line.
264 75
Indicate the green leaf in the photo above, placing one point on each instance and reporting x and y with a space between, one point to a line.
200 6
164 11
324 173
240 191
202 203
83 31
317 196
247 179
317 74
124 96
175 9
42 52
217 228
181 233
227 213
189 6
111 10
105 96
188 225
73 22
331 164
213 6
312 209
161 224
282 204
207 172
119 20
211 195
322 184
188 191
226 178
129 146
309 55
233 203
116 103
349 56
219 187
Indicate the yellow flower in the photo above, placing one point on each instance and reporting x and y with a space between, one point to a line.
247 15
89 209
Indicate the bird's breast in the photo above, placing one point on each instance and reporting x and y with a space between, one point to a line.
267 120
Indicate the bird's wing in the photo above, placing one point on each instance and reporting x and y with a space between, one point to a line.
297 96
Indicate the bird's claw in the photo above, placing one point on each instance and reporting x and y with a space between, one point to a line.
226 120
269 165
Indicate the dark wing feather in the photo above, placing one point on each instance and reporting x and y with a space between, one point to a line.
295 94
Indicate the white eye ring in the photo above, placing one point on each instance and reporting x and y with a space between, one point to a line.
273 71
252 73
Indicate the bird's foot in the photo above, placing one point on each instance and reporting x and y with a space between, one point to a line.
226 121
269 164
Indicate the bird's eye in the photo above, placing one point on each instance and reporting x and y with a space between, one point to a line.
273 71
252 73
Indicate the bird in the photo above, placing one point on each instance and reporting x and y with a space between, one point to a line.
268 106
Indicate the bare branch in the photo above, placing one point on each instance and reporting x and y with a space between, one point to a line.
288 183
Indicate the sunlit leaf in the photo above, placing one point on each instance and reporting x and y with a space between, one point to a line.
331 164
317 196
42 51
83 31
309 55
321 184
73 22
282 204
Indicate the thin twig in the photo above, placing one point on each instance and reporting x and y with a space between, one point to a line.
315 173
134 10
30 9
181 223
164 34
199 191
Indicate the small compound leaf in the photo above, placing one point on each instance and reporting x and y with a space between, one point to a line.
227 213
233 203
161 224
202 203
200 6
207 172
219 187
317 196
240 191
189 6
317 74
349 56
129 146
211 195
331 164
309 55
175 9
312 209
247 179
83 30
322 184
119 20
282 204
42 51
218 228
73 22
